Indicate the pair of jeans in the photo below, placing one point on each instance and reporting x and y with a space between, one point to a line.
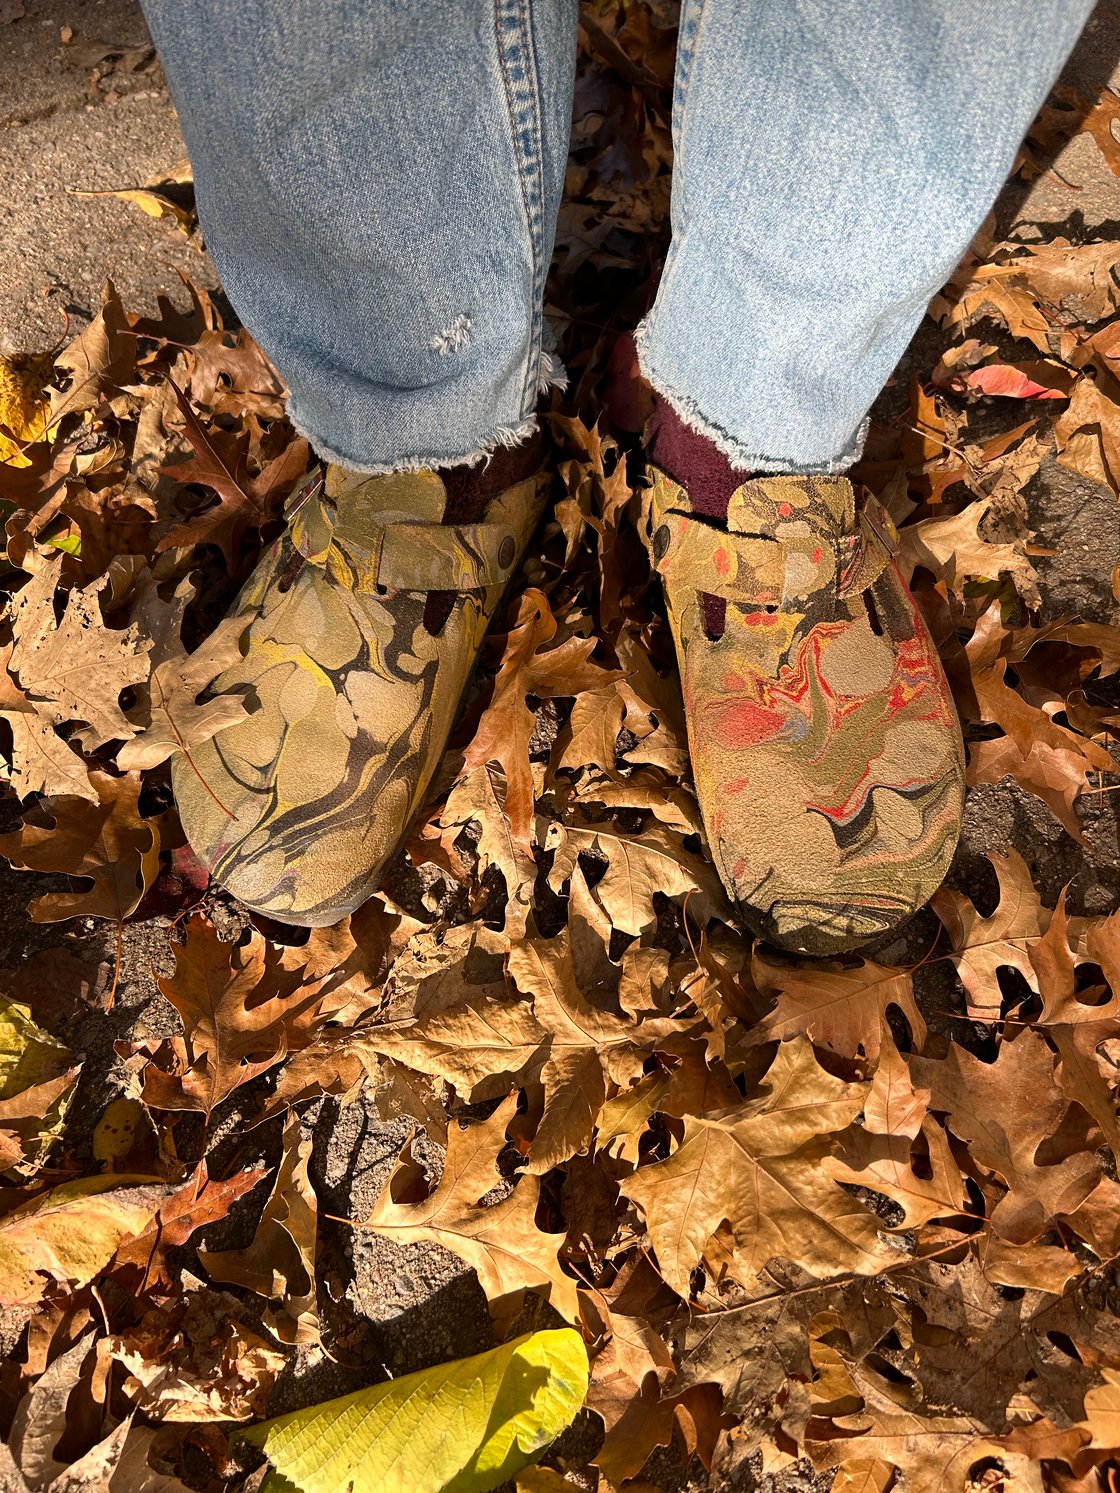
378 181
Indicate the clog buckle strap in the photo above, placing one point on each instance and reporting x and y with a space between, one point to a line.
756 570
396 553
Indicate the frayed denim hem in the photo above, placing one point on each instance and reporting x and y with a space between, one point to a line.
737 452
505 435
551 375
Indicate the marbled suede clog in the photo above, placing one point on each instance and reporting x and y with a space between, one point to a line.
826 749
296 809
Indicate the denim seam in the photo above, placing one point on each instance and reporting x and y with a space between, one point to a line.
686 56
518 63
691 17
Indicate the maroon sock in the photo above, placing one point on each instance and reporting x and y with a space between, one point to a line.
705 474
692 460
469 490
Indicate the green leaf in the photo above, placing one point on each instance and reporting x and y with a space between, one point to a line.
461 1427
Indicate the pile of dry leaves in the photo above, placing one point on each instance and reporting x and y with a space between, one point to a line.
863 1212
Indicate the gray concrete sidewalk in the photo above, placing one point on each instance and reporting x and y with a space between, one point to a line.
82 114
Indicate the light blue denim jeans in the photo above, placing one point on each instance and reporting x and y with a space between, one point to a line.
378 181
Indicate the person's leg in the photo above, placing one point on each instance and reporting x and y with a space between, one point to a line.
833 160
378 181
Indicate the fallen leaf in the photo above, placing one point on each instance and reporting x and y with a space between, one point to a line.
1088 435
639 866
40 761
178 721
952 550
479 797
506 1406
1019 380
875 1420
1077 1027
63 1238
36 1085
280 1262
1056 776
481 1038
106 843
246 500
240 1009
76 668
585 1049
99 361
507 723
501 1242
23 408
195 1362
980 946
1006 1111
843 1009
1080 278
197 1202
161 196
760 1167
925 1184
40 1417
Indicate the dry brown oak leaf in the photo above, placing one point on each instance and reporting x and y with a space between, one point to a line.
107 843
231 375
246 500
39 761
480 797
982 946
502 1242
75 669
280 1262
977 1347
1006 1112
880 1154
933 1450
178 721
1056 776
586 1048
1028 726
1088 435
197 1202
479 1038
507 723
838 1008
638 868
1076 1026
763 1166
100 360
952 549
242 1009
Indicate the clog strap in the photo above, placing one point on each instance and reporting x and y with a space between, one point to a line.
400 554
758 570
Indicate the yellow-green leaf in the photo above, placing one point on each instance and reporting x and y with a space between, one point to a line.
67 1236
28 1055
37 1084
461 1427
